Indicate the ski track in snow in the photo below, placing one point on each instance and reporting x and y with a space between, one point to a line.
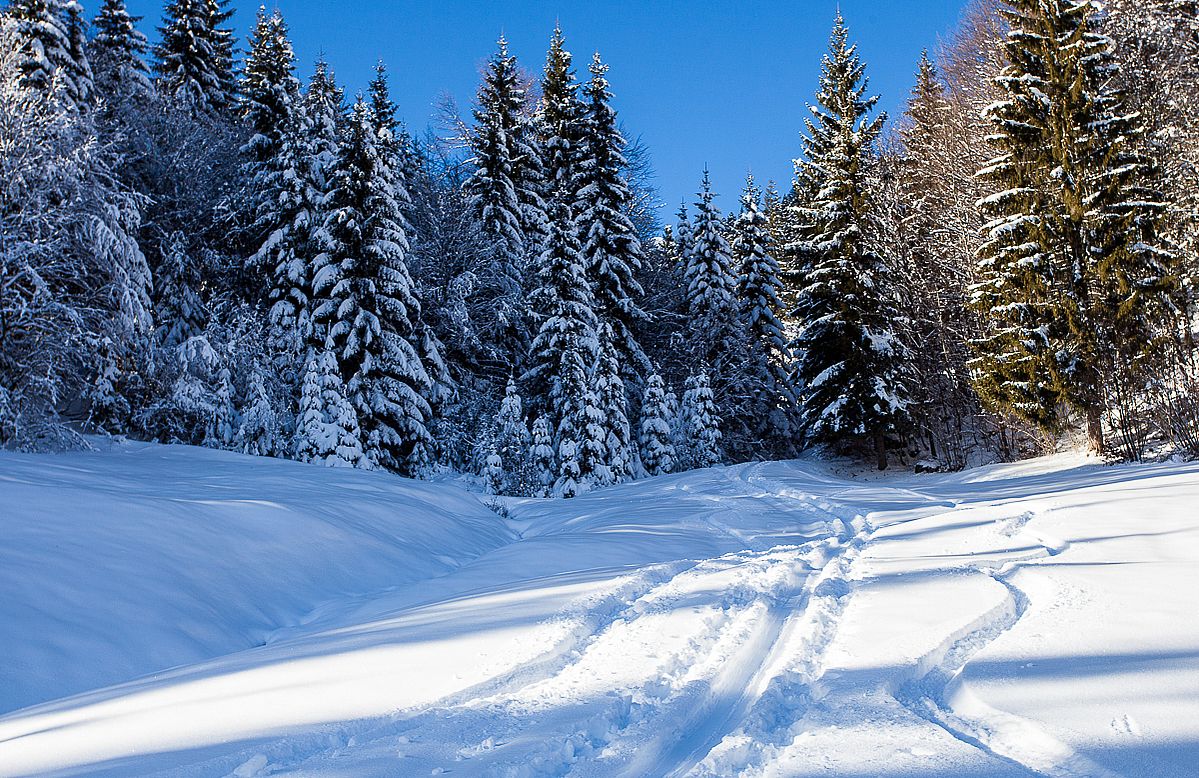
711 666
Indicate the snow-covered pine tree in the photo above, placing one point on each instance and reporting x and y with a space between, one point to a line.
194 56
701 423
511 447
223 420
181 314
49 34
849 362
759 291
327 428
614 411
682 236
81 76
563 306
543 457
497 156
262 429
117 52
368 303
274 154
1073 279
711 285
656 440
269 89
610 246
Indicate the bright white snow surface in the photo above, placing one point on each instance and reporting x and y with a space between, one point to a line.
192 612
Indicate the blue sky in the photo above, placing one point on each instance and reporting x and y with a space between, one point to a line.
721 84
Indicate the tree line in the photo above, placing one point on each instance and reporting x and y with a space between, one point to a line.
204 251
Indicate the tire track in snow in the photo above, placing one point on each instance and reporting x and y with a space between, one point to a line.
937 693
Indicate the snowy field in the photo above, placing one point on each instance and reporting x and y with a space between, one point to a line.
191 612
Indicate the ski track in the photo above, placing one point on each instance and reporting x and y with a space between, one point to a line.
936 693
722 659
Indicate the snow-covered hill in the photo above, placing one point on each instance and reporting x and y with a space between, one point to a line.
191 612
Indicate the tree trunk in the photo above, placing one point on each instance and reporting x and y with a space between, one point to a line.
880 448
1095 429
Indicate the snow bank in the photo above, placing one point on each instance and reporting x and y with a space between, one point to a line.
120 563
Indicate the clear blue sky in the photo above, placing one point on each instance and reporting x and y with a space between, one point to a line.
722 84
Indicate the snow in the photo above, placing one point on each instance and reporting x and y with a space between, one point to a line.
178 611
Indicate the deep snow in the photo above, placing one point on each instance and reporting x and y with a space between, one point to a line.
197 612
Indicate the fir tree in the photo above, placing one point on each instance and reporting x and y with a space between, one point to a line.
327 428
711 286
613 406
701 423
656 439
1073 280
369 305
511 471
610 246
195 59
849 361
182 315
269 89
292 216
543 457
49 34
497 144
117 52
759 291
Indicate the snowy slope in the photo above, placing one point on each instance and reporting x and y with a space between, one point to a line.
771 619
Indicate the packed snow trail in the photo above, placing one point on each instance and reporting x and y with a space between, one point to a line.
771 619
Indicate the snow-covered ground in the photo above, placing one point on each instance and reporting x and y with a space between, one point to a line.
192 612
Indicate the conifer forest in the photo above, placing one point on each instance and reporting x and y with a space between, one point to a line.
207 242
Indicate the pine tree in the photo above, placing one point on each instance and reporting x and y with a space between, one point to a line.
759 291
656 439
50 35
497 144
711 286
293 216
849 361
610 246
262 427
327 428
269 89
508 469
563 306
195 55
543 457
181 313
613 406
1073 280
117 52
701 423
369 306
274 153
223 421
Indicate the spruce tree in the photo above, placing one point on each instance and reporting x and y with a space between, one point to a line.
850 363
270 93
656 438
711 286
759 292
327 428
543 457
269 88
117 52
1073 280
496 142
181 312
613 406
610 246
368 304
292 217
701 423
194 56
49 34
